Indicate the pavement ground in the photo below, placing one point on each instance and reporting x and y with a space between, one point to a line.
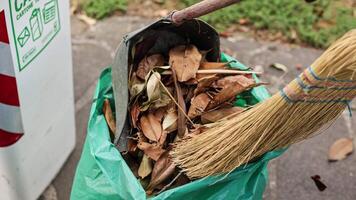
94 49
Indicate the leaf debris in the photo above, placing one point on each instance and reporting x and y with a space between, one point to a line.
175 95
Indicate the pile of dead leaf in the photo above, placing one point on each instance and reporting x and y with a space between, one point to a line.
170 98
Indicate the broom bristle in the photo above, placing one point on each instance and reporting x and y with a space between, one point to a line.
315 99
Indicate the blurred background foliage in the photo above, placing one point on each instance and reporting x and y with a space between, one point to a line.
316 24
100 9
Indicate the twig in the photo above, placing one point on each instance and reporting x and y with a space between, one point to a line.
170 95
170 184
217 71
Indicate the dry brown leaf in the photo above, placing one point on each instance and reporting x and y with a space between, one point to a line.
244 21
204 83
135 112
159 113
163 170
163 138
74 5
189 95
131 145
163 101
151 126
170 121
157 97
88 20
182 127
196 130
136 86
279 67
145 168
225 34
109 116
148 63
153 87
185 61
154 151
227 81
319 184
141 137
198 105
340 149
232 86
216 115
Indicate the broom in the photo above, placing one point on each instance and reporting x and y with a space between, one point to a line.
311 101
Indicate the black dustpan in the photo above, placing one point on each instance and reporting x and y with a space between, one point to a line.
159 37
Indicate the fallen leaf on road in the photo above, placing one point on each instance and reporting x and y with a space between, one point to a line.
151 126
279 67
293 35
185 61
88 20
145 168
244 21
320 185
340 149
226 34
74 6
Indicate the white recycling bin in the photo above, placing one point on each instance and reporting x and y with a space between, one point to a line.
37 126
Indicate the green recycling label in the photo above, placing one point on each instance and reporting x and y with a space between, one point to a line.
34 23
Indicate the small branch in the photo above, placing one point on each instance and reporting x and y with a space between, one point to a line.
217 71
225 71
170 95
171 183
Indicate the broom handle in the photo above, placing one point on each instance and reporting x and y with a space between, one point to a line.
200 9
203 8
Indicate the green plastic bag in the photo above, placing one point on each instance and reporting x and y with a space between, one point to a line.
103 174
